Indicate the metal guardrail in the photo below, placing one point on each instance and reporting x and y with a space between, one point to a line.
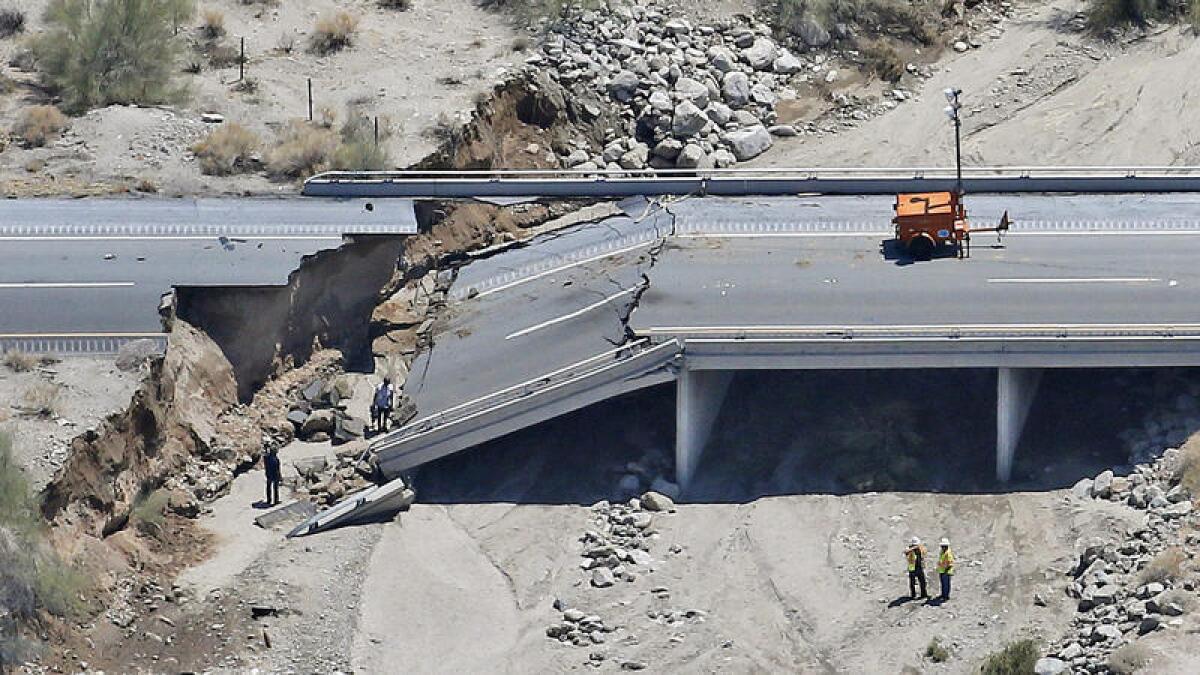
465 410
732 182
76 344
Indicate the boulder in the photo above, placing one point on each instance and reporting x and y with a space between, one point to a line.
723 158
623 86
811 33
719 113
656 501
602 577
787 64
1105 633
183 503
318 421
297 417
1102 485
690 90
635 158
1083 488
690 157
346 429
735 89
677 27
1048 665
1177 510
1149 625
577 157
668 148
762 95
688 120
749 143
761 54
311 467
782 130
661 101
722 59
1071 652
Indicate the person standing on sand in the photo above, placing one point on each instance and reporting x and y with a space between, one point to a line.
945 567
915 556
381 406
274 476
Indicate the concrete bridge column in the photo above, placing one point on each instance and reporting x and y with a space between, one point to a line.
698 398
1016 388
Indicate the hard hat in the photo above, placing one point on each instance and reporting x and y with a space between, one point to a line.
915 541
944 542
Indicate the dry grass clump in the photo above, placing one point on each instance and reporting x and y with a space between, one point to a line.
1188 473
212 24
38 124
882 59
359 150
12 21
1129 659
1166 566
149 513
228 150
333 33
522 43
936 652
1016 658
399 5
18 361
41 399
301 150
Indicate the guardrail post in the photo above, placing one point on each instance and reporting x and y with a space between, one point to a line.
698 398
1015 390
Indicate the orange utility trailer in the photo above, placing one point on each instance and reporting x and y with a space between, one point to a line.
927 221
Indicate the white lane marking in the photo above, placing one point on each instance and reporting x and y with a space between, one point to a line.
800 328
167 237
1075 280
68 284
567 266
568 317
781 235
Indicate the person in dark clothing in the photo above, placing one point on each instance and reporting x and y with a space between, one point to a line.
915 557
381 406
274 476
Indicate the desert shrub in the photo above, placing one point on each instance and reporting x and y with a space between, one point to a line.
1129 659
150 513
1105 14
301 150
228 150
41 399
447 131
936 652
12 21
286 44
883 60
38 124
1166 566
1188 473
212 24
1178 596
400 5
333 33
358 150
1016 658
19 361
915 19
521 43
99 52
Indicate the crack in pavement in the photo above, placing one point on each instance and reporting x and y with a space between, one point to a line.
654 253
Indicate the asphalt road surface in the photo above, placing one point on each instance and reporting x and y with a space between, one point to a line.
804 262
98 268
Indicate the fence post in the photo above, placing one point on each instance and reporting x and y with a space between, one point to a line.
310 117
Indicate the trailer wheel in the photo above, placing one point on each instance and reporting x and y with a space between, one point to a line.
920 248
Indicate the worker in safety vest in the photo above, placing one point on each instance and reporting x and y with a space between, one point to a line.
915 555
945 567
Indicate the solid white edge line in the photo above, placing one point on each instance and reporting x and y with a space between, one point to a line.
560 268
928 327
212 237
66 284
1074 280
568 317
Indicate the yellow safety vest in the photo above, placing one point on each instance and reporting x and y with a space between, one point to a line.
911 554
946 562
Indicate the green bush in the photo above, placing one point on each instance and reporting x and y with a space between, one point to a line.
1017 658
99 52
150 513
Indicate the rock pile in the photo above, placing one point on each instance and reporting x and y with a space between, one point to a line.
620 540
326 483
1135 586
689 96
579 629
320 414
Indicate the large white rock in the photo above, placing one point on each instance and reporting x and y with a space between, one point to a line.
787 64
636 158
722 59
691 90
661 101
747 144
735 88
688 120
668 148
690 156
1102 486
719 113
1049 665
761 54
623 86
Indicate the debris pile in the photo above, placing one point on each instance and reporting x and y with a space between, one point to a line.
320 414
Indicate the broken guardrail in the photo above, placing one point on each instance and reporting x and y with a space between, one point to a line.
620 370
741 182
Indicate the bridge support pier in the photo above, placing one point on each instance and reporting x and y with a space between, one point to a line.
1015 390
698 398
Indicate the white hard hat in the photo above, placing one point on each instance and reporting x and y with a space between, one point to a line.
944 542
915 541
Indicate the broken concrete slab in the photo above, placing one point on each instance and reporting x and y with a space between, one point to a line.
295 512
365 505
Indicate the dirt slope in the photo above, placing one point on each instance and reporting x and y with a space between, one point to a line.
1039 95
